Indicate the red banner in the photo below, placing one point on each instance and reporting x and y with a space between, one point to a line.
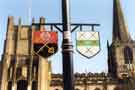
44 37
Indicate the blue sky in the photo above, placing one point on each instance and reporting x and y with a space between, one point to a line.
82 11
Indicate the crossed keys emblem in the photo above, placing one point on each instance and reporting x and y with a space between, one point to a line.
45 43
50 49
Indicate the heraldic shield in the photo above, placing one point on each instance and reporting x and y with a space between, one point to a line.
88 43
45 43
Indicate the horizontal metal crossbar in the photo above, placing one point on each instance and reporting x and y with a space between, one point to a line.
75 25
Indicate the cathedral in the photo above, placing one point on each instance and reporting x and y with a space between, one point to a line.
20 69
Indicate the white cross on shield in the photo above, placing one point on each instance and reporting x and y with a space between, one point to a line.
88 43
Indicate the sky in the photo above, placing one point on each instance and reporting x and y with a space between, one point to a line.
81 11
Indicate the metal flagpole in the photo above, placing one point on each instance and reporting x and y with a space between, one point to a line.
67 48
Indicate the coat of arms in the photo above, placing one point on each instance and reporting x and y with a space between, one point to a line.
45 43
88 43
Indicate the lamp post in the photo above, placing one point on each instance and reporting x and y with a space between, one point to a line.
67 48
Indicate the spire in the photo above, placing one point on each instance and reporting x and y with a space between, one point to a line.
108 50
10 23
119 27
107 44
42 21
33 20
19 21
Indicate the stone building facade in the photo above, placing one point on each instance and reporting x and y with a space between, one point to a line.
89 81
22 70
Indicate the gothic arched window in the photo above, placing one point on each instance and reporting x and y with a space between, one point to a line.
34 85
22 85
10 72
128 55
9 85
